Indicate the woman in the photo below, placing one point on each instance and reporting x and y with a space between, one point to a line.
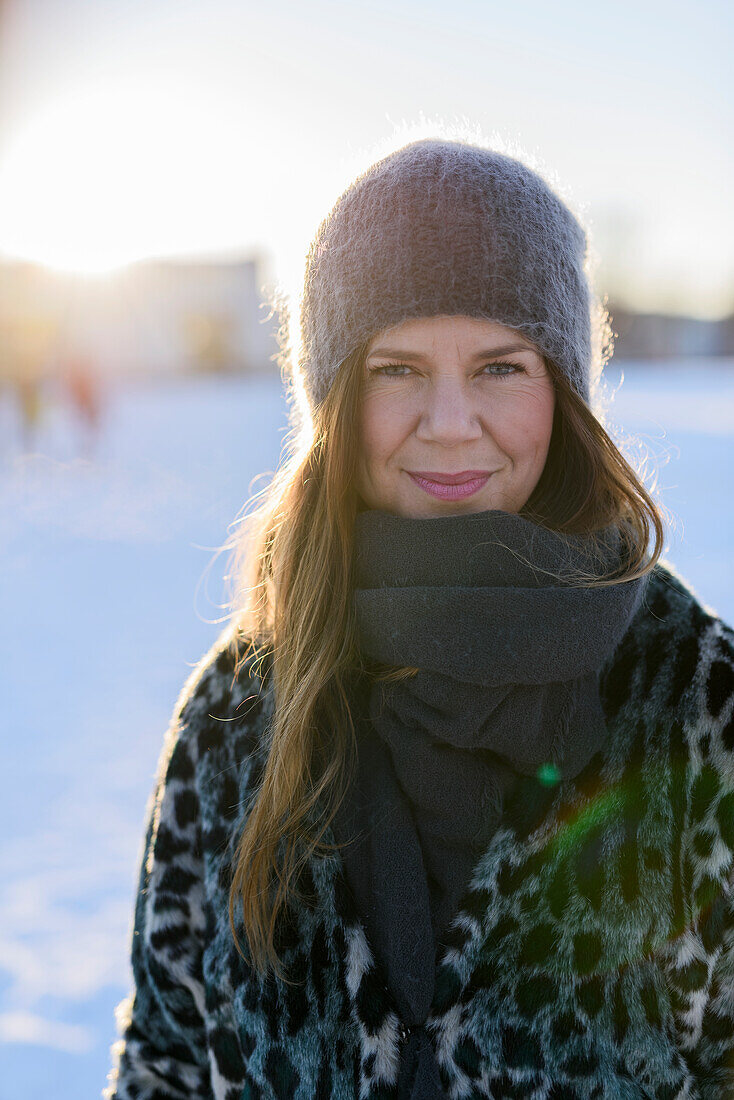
448 810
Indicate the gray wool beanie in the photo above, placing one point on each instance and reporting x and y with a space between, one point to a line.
445 227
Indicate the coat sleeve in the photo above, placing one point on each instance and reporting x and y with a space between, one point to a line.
161 1053
702 973
712 1055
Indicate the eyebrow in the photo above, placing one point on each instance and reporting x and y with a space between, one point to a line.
490 353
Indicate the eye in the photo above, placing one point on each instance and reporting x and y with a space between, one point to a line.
504 369
391 370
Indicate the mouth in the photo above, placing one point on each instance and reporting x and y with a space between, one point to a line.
450 486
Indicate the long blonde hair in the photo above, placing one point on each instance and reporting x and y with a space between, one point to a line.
292 570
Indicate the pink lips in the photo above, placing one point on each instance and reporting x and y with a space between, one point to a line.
451 486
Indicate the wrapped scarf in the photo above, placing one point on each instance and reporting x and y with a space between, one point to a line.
509 646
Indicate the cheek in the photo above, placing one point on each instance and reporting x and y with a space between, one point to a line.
526 429
382 428
541 425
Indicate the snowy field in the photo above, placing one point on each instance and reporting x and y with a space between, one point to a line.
110 587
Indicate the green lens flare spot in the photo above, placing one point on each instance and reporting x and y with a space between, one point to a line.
548 774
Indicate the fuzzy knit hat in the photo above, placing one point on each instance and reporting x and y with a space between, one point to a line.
446 227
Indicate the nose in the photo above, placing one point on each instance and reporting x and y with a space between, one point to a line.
448 413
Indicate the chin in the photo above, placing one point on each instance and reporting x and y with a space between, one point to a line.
429 508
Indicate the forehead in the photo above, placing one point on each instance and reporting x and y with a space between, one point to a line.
424 334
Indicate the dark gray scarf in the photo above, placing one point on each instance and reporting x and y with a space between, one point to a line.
508 650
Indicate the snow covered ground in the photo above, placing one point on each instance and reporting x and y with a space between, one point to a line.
110 587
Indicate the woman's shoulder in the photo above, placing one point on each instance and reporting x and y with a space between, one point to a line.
670 603
228 675
674 632
223 708
675 667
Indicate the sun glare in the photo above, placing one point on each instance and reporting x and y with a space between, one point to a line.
102 178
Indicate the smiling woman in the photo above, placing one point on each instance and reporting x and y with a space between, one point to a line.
448 810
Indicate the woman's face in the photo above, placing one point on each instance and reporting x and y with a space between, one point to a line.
456 416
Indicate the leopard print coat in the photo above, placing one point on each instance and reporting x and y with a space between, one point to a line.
592 955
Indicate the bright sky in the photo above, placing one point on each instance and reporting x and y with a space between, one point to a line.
150 127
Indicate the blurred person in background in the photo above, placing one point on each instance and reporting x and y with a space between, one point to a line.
448 808
81 386
30 407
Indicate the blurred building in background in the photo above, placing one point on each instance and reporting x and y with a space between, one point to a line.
150 318
666 336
